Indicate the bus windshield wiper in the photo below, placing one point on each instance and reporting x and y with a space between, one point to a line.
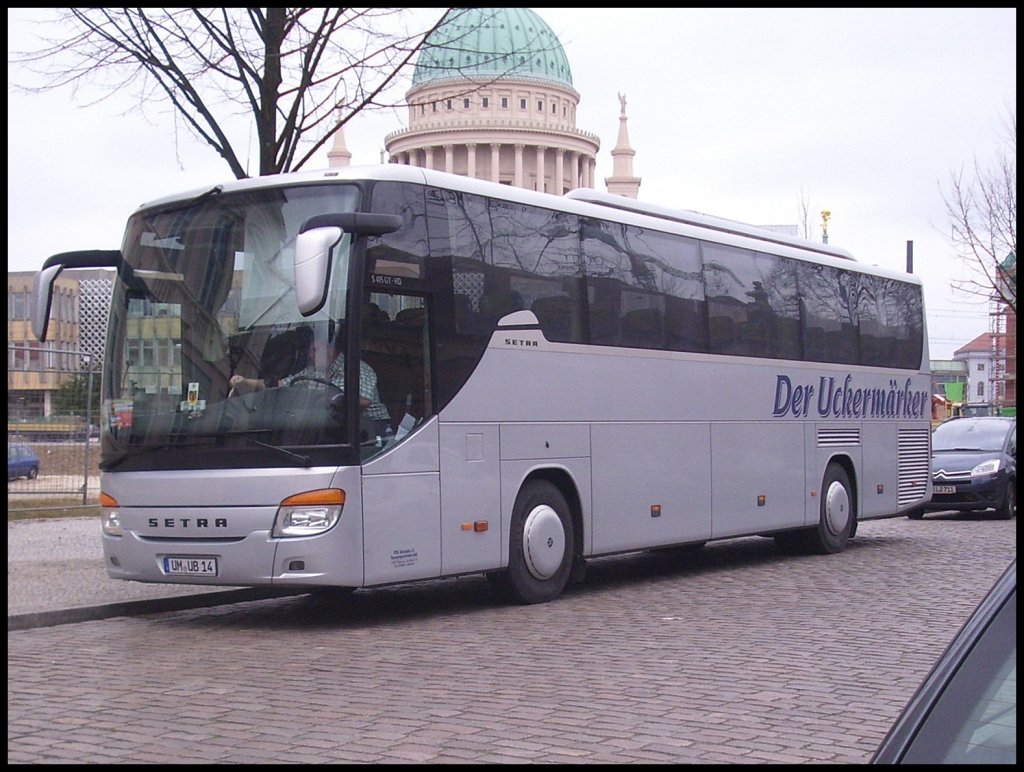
302 459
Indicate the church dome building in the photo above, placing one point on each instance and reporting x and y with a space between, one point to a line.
492 97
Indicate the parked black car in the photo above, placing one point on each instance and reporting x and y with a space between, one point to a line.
974 466
965 711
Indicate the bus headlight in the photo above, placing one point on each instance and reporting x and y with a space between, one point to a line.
111 516
309 514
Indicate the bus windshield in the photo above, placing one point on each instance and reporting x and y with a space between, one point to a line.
209 363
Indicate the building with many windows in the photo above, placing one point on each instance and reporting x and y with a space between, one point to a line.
978 361
78 324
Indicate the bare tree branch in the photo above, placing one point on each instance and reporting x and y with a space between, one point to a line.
296 74
982 209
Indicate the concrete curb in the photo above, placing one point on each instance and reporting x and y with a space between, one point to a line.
137 607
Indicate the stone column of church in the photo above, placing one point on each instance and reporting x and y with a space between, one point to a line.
495 161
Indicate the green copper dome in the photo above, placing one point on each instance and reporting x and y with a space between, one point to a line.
492 43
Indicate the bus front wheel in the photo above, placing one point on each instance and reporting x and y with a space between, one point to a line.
540 545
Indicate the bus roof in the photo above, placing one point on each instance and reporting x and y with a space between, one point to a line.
582 201
712 222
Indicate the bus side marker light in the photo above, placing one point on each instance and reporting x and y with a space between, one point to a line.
879 488
761 501
813 494
655 510
480 526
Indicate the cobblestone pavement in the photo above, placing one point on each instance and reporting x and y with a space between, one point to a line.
739 655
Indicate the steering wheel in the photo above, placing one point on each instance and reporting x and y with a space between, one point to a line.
314 379
333 399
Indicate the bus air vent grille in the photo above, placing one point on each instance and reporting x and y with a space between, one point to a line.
832 438
914 465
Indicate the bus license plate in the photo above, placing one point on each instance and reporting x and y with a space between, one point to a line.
940 489
189 566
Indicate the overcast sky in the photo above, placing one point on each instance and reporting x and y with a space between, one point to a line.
741 113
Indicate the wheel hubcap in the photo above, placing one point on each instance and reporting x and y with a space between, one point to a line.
837 507
543 542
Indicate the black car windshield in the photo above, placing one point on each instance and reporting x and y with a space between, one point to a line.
982 434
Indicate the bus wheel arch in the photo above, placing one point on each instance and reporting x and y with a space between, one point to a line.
545 539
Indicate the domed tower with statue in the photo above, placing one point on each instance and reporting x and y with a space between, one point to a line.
492 97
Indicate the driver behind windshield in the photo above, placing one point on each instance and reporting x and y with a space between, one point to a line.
305 370
373 409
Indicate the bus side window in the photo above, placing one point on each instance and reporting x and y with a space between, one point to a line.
494 305
555 314
398 352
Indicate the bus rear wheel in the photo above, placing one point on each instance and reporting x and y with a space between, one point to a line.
540 546
837 519
837 513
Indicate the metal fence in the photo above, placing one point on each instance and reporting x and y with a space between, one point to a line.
52 428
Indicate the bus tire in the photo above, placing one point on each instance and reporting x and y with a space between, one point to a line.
540 546
837 513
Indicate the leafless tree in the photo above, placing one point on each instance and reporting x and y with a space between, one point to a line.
804 208
982 207
297 74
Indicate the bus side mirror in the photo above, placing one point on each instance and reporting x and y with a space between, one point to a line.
42 282
313 257
42 298
315 245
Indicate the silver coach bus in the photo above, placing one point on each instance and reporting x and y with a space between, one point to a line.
367 376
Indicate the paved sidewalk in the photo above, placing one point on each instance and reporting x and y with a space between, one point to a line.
55 575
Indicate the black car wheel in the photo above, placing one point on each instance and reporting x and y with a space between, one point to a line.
1009 508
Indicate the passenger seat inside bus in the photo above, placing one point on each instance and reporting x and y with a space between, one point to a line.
555 316
643 328
285 353
494 305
